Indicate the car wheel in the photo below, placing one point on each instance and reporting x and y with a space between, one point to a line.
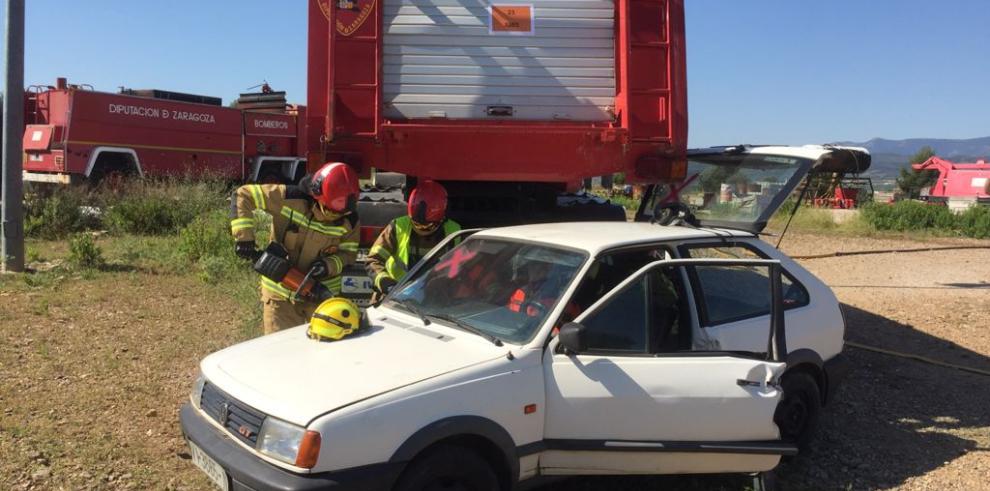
448 468
798 412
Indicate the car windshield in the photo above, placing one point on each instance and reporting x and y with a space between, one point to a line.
501 288
733 190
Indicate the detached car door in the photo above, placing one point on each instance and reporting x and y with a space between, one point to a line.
620 401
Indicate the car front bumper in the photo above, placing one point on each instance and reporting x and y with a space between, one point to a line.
249 473
836 369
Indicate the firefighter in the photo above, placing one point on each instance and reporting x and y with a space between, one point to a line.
317 224
408 238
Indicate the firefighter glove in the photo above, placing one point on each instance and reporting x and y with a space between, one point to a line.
319 270
246 249
385 284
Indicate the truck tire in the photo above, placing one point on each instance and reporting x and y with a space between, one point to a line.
798 412
111 176
448 467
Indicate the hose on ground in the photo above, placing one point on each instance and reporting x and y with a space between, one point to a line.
923 359
890 251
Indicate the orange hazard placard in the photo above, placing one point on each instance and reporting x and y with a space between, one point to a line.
511 19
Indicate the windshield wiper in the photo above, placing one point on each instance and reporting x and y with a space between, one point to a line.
413 309
464 326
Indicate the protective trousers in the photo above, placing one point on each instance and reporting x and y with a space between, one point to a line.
282 314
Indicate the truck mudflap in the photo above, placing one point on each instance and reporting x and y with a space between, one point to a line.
246 472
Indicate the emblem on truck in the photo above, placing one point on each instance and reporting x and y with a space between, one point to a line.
350 14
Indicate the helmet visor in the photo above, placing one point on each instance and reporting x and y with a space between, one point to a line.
425 228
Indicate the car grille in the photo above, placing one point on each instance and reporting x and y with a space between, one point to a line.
240 420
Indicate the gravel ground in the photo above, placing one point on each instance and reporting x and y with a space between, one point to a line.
93 371
897 423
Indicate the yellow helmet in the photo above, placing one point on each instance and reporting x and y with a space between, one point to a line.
333 319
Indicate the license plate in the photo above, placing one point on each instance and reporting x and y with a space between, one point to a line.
209 466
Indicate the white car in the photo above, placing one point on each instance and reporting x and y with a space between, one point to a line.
549 350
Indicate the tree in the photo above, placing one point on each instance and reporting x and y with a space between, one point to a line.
911 182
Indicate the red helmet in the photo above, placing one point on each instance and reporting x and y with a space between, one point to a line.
428 203
335 186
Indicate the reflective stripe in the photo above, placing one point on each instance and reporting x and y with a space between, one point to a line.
300 219
241 224
348 246
333 284
397 265
257 195
378 280
338 261
276 288
380 252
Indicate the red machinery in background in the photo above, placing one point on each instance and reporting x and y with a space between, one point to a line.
957 181
509 104
72 132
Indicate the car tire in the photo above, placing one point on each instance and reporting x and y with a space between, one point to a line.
448 467
798 412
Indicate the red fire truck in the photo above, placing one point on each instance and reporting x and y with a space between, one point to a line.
511 104
73 132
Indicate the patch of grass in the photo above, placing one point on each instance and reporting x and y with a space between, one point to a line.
975 222
41 307
84 253
909 216
162 207
60 214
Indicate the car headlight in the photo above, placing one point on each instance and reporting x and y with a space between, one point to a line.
289 443
197 390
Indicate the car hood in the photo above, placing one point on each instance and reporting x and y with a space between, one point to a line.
294 378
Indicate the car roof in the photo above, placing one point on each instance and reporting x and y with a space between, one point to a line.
595 237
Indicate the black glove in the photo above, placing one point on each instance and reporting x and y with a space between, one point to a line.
318 270
245 249
385 284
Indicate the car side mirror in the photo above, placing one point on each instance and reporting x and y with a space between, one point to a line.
573 338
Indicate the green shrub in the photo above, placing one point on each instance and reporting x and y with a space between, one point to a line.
975 222
161 207
909 215
84 253
58 215
207 236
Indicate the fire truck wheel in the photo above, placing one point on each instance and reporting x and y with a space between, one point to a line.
110 176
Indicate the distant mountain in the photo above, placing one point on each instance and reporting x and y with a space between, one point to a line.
890 155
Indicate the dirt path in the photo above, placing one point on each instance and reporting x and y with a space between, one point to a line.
94 369
93 373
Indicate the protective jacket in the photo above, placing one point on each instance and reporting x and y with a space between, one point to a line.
399 247
309 233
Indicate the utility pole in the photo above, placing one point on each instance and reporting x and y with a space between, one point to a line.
12 238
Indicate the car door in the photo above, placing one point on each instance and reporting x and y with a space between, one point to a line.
731 308
619 403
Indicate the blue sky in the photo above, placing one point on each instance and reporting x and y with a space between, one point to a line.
759 71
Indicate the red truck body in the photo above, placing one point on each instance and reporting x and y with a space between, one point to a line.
72 132
545 91
958 180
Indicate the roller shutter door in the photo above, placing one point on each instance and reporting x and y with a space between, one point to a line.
445 59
